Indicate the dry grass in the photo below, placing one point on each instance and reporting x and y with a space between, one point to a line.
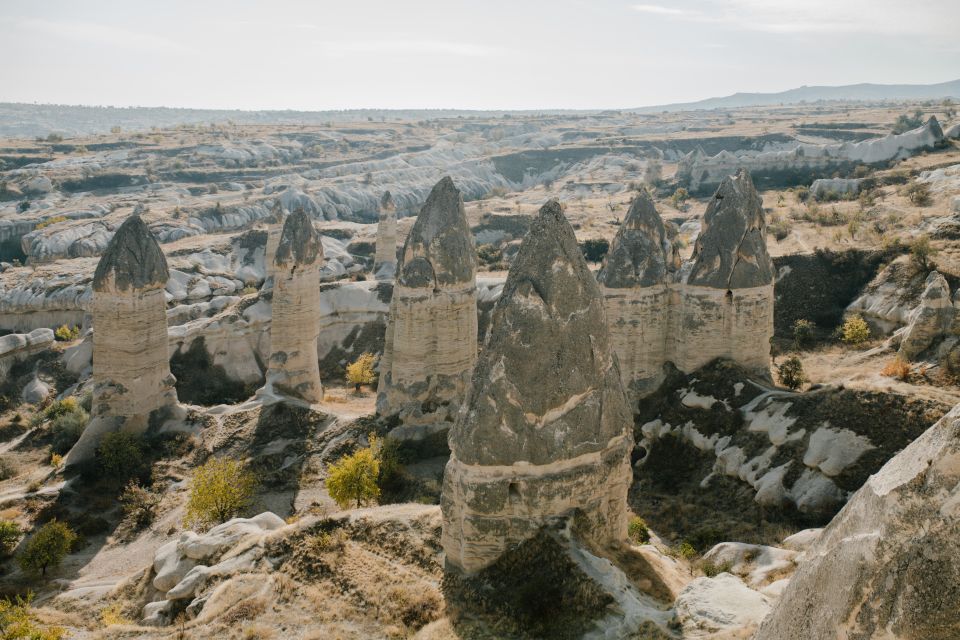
245 610
897 368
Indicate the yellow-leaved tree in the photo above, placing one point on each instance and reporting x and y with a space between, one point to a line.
353 478
220 490
361 371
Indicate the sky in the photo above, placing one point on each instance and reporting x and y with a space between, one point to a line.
466 54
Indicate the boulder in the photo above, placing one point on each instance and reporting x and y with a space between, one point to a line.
545 432
35 392
723 603
931 320
887 565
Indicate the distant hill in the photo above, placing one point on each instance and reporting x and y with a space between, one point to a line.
852 92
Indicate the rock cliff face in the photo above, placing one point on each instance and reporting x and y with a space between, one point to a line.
931 320
545 433
720 304
431 341
385 261
888 565
293 369
131 367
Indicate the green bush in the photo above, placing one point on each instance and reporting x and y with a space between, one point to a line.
712 570
638 531
66 429
791 373
803 333
120 455
685 550
9 536
855 330
221 489
139 505
46 548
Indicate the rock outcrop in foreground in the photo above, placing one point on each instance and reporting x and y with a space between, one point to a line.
546 431
131 360
294 370
431 341
888 565
719 305
385 261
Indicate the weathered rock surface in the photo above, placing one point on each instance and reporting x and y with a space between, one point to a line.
888 565
545 433
640 253
431 342
293 369
18 346
931 320
385 260
709 606
839 186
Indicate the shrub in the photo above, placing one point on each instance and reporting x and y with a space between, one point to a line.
361 371
802 193
66 334
653 172
679 197
906 122
489 254
685 550
353 478
113 615
855 330
47 548
803 333
897 368
9 536
55 410
139 505
594 250
918 193
120 455
220 490
638 531
50 221
712 570
921 253
67 427
7 469
791 373
18 623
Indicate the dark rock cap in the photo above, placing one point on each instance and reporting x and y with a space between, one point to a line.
439 249
731 250
133 257
387 203
638 254
546 386
276 213
299 241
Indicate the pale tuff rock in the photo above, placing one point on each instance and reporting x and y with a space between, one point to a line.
545 433
888 565
839 186
724 308
274 226
708 607
19 346
293 369
131 368
385 261
431 341
931 320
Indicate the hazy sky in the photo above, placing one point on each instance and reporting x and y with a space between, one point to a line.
486 54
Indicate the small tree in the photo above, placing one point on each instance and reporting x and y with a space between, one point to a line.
803 333
47 548
855 330
220 490
17 622
353 478
918 193
638 531
361 371
791 373
120 455
679 198
9 536
921 254
139 505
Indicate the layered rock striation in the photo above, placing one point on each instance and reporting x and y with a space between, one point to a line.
431 341
718 305
293 370
546 430
888 565
385 259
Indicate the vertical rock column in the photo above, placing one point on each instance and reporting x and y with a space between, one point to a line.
293 370
634 279
726 301
431 341
131 360
274 224
385 262
546 430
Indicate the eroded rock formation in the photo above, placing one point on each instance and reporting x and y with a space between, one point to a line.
720 304
293 369
274 226
888 565
131 367
931 320
546 431
431 342
385 261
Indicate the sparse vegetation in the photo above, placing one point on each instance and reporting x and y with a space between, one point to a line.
10 534
905 122
139 505
712 570
897 368
17 622
47 548
791 373
918 193
855 330
112 615
221 489
66 333
49 221
638 531
120 455
360 371
921 254
803 333
353 480
653 172
679 198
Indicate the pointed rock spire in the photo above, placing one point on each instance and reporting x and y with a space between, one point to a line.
299 241
133 259
640 254
385 261
731 251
